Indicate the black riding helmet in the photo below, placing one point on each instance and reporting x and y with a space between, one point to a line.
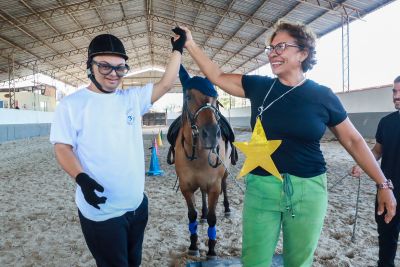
103 44
106 44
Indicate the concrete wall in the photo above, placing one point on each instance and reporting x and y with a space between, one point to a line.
9 132
376 99
367 106
18 124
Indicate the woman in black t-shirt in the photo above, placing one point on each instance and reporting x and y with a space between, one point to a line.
296 111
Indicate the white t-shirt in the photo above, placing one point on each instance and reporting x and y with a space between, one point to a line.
106 135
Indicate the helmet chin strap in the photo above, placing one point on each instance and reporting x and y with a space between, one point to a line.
95 82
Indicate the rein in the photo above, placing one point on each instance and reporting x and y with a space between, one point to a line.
195 132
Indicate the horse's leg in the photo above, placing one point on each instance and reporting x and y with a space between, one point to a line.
212 221
224 191
192 215
204 209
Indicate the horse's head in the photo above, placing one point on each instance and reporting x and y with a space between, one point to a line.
200 109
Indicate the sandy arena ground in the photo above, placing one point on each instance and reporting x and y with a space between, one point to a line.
39 225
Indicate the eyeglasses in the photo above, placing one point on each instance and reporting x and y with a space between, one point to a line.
105 68
279 48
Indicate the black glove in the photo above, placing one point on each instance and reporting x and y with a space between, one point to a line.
88 185
178 44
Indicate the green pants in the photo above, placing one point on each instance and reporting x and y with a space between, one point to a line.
298 205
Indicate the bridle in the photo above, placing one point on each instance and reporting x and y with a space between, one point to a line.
195 131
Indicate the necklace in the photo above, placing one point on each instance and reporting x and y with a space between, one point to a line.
261 108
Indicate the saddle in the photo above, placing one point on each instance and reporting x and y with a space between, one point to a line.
226 131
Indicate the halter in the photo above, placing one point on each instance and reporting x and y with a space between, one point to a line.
195 131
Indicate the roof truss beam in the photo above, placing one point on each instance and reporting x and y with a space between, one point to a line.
226 13
60 11
18 64
126 22
12 20
80 33
219 22
136 50
238 30
202 30
340 9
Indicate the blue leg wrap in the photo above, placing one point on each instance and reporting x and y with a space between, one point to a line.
212 232
193 227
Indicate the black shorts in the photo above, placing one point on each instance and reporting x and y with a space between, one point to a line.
117 241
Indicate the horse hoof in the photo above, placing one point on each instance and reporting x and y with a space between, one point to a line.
203 220
195 253
228 214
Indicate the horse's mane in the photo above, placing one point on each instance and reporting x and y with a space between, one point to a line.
184 112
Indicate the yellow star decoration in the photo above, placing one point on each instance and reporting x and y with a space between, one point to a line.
258 152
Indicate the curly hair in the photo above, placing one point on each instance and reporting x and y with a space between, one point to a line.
305 38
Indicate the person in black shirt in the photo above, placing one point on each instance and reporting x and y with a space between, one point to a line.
387 148
297 111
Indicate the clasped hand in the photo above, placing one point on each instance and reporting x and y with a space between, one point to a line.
178 44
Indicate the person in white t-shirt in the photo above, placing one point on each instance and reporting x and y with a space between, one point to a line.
97 139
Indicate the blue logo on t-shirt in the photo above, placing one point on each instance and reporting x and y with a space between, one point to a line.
130 118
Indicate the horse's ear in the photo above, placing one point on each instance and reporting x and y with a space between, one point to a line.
183 76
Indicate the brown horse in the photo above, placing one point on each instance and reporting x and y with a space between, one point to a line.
200 151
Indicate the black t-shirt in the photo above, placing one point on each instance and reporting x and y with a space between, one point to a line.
388 135
299 119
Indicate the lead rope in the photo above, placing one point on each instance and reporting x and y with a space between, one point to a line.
230 174
353 236
337 181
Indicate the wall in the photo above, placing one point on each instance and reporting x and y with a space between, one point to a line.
17 124
376 99
367 106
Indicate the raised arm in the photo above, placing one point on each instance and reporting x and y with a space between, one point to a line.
168 79
230 83
171 72
353 142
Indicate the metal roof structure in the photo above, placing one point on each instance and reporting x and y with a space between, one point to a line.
52 36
